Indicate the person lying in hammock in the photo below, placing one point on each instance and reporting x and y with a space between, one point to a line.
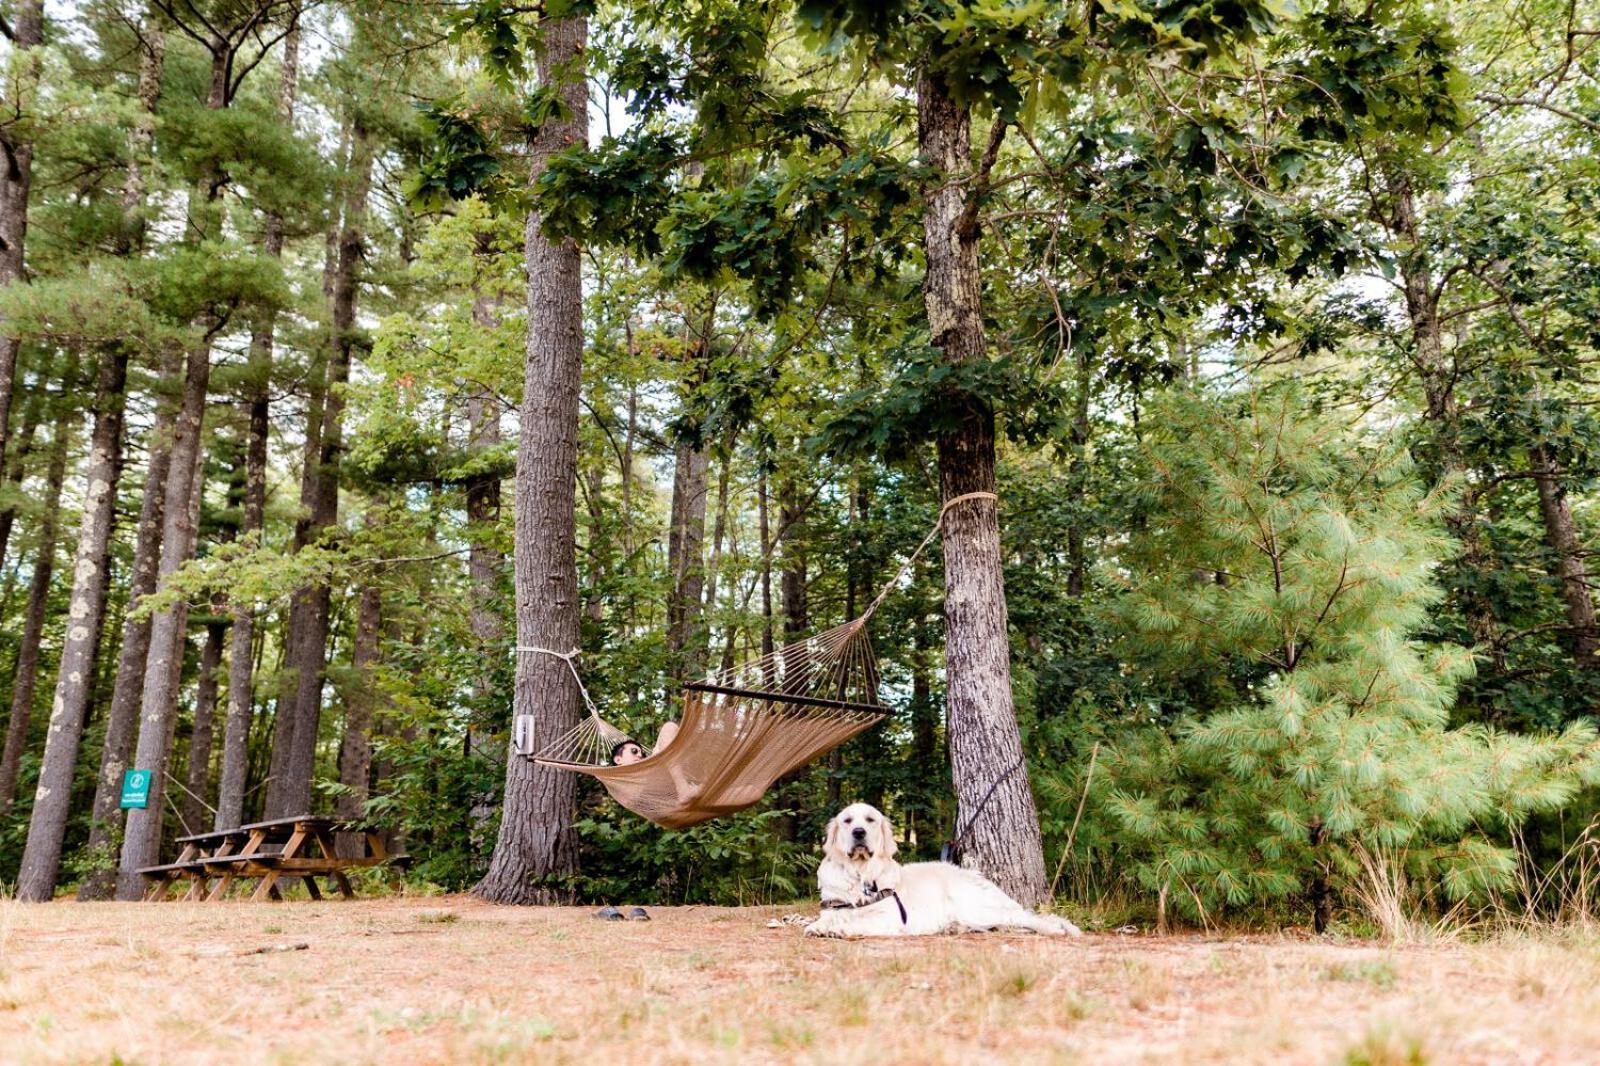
628 751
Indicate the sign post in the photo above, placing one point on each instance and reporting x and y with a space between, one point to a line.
135 789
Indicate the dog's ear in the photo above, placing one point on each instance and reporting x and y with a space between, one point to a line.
886 844
830 843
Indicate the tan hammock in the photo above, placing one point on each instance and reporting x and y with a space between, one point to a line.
743 728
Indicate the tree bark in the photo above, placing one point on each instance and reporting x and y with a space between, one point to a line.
241 656
198 786
536 847
686 561
484 561
158 700
1437 373
355 752
16 466
986 759
294 794
16 183
1078 474
26 674
1583 637
105 819
75 678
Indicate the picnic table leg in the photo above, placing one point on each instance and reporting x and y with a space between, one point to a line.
311 887
326 845
268 884
251 846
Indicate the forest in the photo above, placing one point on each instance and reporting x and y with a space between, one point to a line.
359 360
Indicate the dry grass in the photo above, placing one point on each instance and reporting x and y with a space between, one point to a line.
452 980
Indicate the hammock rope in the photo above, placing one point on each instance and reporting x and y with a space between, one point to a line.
742 728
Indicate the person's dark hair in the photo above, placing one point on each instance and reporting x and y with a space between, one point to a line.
619 745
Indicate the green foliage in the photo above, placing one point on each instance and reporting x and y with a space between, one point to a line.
1280 542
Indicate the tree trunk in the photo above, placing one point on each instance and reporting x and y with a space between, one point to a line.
26 674
355 753
75 678
1002 838
241 658
536 846
1437 374
1569 569
294 795
1078 474
686 561
105 819
158 700
16 182
484 561
205 719
16 466
764 521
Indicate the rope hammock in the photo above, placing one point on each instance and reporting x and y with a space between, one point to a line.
741 728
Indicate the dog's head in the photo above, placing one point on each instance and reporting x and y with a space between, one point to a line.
859 833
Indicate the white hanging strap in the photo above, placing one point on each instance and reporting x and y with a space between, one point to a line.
934 532
571 659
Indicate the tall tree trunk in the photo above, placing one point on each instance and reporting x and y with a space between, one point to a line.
483 573
141 843
16 466
241 658
294 628
105 819
294 796
26 674
1583 637
205 720
1078 473
75 678
158 700
536 845
1437 373
16 183
1003 838
355 753
686 561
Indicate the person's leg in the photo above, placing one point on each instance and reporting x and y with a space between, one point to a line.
669 733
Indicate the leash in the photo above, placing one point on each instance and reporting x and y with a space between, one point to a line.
953 848
873 896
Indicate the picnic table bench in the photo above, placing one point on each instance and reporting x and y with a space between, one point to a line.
301 846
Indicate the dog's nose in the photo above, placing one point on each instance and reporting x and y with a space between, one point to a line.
859 833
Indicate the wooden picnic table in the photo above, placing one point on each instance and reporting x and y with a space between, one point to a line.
301 846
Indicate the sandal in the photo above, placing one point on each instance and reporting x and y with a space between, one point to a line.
638 915
608 914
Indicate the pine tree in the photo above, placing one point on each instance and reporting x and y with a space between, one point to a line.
1300 561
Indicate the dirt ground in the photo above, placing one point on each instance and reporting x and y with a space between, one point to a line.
456 981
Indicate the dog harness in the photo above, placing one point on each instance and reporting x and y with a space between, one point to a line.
873 896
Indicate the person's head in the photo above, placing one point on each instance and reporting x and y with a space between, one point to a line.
626 752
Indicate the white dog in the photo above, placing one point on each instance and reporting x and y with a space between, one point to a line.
866 893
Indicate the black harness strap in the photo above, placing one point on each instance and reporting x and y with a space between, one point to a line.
873 896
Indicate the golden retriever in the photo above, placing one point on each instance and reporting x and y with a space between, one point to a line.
866 893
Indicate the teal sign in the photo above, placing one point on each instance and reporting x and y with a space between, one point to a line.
135 789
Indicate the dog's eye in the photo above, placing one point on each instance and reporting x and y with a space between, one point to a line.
847 821
871 820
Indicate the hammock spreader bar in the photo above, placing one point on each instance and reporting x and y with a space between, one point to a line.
742 728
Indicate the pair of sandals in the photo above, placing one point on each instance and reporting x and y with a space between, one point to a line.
612 914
